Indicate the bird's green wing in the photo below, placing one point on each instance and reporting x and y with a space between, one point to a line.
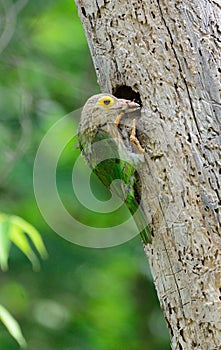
108 165
114 168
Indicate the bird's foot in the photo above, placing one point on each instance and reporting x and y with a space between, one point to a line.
134 139
118 119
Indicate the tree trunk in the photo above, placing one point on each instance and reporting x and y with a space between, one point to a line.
167 53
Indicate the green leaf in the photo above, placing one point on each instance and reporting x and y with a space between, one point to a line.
32 233
5 243
13 229
12 326
19 238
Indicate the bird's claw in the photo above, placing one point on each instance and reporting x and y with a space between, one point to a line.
134 139
118 119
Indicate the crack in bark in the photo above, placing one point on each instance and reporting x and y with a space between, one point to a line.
170 264
180 68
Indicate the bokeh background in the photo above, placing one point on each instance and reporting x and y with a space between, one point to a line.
86 299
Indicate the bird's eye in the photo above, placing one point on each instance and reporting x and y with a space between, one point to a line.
106 102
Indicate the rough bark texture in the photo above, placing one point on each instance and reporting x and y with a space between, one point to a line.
169 52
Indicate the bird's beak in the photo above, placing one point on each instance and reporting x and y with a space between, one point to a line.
128 106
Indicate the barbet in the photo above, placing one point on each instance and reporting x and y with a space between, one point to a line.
110 155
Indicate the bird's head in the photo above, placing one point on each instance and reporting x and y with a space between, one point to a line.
101 109
112 103
106 107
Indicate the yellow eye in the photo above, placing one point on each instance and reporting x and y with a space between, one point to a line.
106 102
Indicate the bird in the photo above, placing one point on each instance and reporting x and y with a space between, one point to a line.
112 155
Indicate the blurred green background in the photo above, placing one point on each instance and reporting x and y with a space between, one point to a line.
86 299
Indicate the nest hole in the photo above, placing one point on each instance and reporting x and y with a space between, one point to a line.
128 93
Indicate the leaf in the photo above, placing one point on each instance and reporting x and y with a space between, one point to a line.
32 233
5 243
13 229
19 238
12 326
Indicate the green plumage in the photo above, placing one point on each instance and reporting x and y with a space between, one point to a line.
104 149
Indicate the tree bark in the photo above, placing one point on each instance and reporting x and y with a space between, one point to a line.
168 52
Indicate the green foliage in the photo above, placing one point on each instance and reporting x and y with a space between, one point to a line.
14 229
13 327
81 299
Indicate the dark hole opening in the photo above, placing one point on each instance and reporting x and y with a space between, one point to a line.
128 93
83 11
